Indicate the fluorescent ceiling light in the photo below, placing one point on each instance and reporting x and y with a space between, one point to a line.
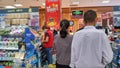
75 3
18 5
105 1
9 7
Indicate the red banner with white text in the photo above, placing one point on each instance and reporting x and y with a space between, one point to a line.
53 8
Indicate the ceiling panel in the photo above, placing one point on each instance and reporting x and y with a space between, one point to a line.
64 3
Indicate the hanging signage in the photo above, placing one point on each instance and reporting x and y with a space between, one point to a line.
53 13
19 10
77 14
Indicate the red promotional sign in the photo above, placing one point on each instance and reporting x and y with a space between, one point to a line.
53 13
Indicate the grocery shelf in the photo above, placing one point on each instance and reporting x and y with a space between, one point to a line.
5 60
9 48
15 35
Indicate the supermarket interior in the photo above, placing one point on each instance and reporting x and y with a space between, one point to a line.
22 21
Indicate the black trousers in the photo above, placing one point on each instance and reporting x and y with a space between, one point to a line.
62 66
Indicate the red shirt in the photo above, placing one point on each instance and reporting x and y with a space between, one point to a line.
50 42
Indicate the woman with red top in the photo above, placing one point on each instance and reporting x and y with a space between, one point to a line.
48 43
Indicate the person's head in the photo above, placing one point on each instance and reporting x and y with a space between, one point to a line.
21 45
40 31
44 28
119 36
81 24
90 17
64 24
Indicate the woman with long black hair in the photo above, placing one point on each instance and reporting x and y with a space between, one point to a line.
62 45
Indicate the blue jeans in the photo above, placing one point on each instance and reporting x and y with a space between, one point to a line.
49 55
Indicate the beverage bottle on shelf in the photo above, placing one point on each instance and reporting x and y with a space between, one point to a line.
8 55
0 38
0 45
0 55
12 39
9 44
3 57
6 63
14 44
10 63
3 43
13 55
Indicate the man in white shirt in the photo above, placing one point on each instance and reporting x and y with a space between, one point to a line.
90 47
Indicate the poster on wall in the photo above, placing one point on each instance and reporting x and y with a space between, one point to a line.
53 13
34 20
107 19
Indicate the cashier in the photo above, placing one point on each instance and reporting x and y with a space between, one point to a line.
117 41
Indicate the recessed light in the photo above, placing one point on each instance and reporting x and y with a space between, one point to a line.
75 3
18 5
105 1
43 4
9 7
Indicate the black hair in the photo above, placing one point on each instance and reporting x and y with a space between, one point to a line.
90 16
20 44
64 24
44 27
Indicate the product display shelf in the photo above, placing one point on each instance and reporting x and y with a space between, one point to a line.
16 20
8 46
116 58
31 53
116 48
11 48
